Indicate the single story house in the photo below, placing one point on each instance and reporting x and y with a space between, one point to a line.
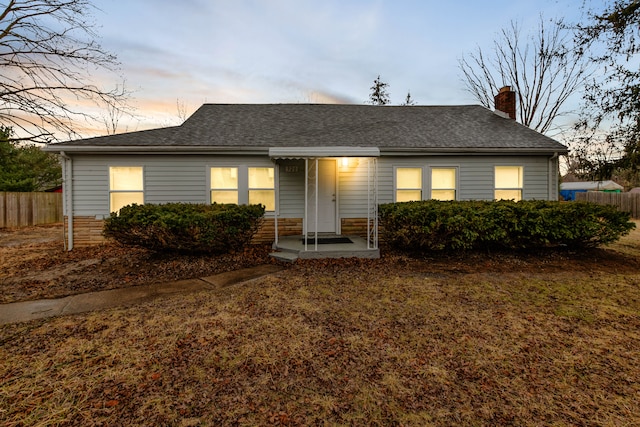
319 169
568 190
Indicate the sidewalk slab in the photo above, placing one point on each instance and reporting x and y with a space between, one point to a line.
31 310
237 276
129 296
39 309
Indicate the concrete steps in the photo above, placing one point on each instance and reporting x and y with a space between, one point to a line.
284 256
292 248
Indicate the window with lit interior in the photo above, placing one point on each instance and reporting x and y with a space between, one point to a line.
224 185
443 184
125 186
262 188
508 183
408 184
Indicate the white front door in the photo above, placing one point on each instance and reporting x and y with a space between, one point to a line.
326 197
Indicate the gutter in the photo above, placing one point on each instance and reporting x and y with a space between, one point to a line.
140 149
551 183
506 151
67 193
262 151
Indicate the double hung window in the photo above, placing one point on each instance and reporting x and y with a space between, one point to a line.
224 185
408 184
443 183
242 185
126 186
262 187
508 182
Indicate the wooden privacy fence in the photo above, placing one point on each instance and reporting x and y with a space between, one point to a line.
629 202
25 209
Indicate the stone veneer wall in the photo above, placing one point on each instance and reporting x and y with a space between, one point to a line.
87 230
354 227
286 227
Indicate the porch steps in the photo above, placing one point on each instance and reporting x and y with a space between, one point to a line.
286 256
292 248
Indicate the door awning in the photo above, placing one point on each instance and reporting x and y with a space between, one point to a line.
319 152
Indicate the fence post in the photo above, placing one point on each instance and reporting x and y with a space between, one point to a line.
3 210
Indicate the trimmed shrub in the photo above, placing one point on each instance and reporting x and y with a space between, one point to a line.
500 225
185 227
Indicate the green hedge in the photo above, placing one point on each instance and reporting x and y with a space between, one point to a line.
185 227
436 226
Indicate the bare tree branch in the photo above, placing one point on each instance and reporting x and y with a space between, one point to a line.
181 111
47 55
542 68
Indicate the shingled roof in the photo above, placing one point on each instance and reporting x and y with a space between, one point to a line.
259 127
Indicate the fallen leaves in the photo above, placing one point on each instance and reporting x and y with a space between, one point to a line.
474 339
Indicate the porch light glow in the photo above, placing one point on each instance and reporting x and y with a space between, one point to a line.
345 162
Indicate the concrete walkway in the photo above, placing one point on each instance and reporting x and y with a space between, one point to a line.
38 309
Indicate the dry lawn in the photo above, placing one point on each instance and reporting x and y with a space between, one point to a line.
526 340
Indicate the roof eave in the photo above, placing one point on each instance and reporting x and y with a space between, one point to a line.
202 149
155 149
394 151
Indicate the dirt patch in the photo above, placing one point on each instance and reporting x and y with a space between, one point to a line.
34 265
30 235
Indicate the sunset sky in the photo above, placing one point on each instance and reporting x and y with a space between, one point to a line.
299 51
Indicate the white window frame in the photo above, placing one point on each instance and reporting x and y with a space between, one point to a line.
210 184
395 181
456 170
243 182
112 191
496 188
249 188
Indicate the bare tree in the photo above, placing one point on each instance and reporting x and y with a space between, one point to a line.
181 110
47 54
115 110
543 68
610 115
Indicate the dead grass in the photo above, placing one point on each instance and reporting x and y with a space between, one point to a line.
477 339
629 244
33 265
364 343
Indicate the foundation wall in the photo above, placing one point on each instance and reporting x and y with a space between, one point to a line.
354 227
87 230
286 227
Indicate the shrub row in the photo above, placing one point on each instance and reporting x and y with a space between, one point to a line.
185 227
436 226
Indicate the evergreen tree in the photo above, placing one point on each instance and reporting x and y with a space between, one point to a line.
379 94
25 167
408 101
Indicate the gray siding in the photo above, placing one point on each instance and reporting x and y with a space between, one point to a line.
291 191
184 178
475 175
353 188
167 178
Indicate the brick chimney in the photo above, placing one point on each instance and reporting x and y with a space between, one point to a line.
505 101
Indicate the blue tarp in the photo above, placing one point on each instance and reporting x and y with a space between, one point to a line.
570 195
